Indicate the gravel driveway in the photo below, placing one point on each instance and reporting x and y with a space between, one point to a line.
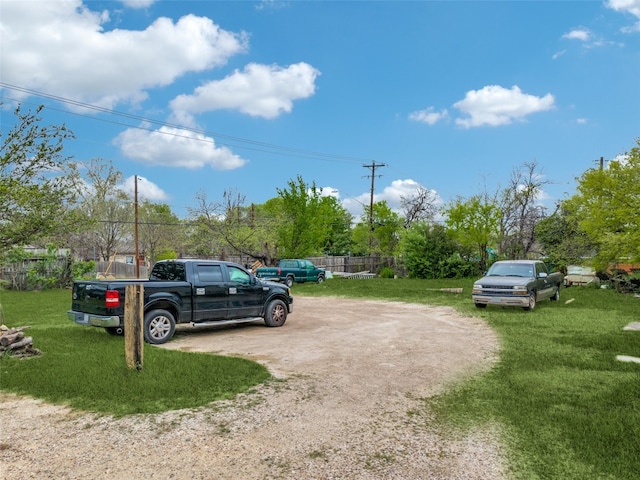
347 406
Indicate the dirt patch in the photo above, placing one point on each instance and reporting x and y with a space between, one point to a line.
348 406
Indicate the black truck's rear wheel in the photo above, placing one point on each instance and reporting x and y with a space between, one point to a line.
159 326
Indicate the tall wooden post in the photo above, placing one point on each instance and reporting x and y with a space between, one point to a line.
133 329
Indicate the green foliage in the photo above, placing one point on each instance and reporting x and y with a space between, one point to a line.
429 251
166 255
169 380
380 235
475 224
159 229
83 270
37 184
563 242
606 209
387 272
312 223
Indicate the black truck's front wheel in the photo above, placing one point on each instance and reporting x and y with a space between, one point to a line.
159 326
276 314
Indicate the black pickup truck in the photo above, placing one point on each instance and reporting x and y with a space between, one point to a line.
202 292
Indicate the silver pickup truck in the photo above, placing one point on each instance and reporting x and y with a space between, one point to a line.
519 283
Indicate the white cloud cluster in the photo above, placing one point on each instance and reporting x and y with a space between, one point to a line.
173 147
62 48
492 106
629 6
259 90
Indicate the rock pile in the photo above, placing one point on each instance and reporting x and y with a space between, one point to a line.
13 341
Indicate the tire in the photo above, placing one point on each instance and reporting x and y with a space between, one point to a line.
532 301
556 296
320 278
481 305
159 326
117 331
276 314
288 281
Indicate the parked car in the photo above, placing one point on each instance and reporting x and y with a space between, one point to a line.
203 292
289 271
520 283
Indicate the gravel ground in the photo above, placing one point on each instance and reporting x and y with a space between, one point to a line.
345 404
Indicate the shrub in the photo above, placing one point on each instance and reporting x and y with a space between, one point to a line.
387 272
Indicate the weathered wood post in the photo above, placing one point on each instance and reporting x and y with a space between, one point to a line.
133 318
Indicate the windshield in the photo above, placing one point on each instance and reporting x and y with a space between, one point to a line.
511 270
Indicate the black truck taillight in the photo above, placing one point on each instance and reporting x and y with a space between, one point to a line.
112 299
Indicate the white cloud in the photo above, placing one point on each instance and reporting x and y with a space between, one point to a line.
428 116
557 55
62 48
147 190
259 90
582 121
174 147
494 105
629 6
581 34
392 194
138 3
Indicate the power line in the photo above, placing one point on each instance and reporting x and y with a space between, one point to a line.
240 142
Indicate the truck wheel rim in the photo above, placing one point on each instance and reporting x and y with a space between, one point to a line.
278 313
159 327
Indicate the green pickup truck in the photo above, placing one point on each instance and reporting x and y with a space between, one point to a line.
289 271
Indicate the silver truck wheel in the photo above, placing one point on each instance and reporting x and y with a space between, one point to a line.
288 281
556 296
159 326
532 301
320 278
276 314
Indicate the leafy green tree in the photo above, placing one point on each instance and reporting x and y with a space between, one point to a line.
426 249
312 223
474 223
380 235
562 240
159 229
606 207
37 183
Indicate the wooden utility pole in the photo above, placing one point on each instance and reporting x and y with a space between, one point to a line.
133 319
373 167
135 227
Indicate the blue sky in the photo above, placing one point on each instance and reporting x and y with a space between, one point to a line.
208 96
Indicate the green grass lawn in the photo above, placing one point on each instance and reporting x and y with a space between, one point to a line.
568 408
85 367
